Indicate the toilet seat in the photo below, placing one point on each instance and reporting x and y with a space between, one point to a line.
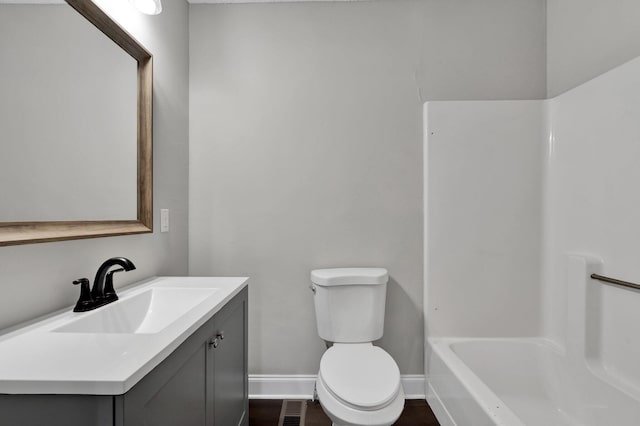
360 376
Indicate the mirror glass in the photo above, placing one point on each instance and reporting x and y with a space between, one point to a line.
68 118
75 124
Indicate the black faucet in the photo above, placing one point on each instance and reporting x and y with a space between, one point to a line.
102 292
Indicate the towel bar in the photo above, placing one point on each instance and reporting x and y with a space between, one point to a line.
615 281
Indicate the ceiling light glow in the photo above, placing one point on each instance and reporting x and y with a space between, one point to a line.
148 7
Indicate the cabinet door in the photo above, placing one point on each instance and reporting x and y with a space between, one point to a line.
173 394
227 385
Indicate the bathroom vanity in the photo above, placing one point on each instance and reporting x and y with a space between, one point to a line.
171 351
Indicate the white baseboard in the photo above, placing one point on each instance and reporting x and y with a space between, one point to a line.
273 386
413 386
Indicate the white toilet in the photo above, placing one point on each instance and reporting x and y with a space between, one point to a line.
358 383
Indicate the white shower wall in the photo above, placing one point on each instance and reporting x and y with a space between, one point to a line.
511 189
592 206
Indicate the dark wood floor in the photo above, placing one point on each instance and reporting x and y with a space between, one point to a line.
266 412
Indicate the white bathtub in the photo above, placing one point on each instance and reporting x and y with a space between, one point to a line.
522 382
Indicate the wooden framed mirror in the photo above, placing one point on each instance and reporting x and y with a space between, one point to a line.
39 207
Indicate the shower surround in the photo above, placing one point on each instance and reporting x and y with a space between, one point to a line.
523 201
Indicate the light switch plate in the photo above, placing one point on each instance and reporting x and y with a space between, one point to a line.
164 220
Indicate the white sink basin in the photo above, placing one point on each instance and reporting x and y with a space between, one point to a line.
147 312
125 339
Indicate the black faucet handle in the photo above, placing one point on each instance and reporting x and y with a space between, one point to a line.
85 302
83 281
109 292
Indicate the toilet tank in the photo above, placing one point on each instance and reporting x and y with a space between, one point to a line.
350 303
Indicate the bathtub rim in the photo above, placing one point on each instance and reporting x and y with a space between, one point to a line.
482 395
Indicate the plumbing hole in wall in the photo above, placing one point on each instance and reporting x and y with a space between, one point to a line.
292 413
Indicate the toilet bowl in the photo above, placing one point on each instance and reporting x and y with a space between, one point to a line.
359 384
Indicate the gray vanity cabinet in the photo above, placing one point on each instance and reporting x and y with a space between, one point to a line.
204 382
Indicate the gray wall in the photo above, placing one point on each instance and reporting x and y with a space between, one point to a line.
483 173
36 278
587 38
306 146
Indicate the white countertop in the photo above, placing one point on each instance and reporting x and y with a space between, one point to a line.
35 359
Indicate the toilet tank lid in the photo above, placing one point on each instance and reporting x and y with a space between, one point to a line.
349 276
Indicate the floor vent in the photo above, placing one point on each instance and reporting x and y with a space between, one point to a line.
292 413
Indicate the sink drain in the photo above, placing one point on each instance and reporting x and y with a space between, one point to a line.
292 413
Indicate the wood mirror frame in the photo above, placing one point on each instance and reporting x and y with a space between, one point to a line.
12 233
